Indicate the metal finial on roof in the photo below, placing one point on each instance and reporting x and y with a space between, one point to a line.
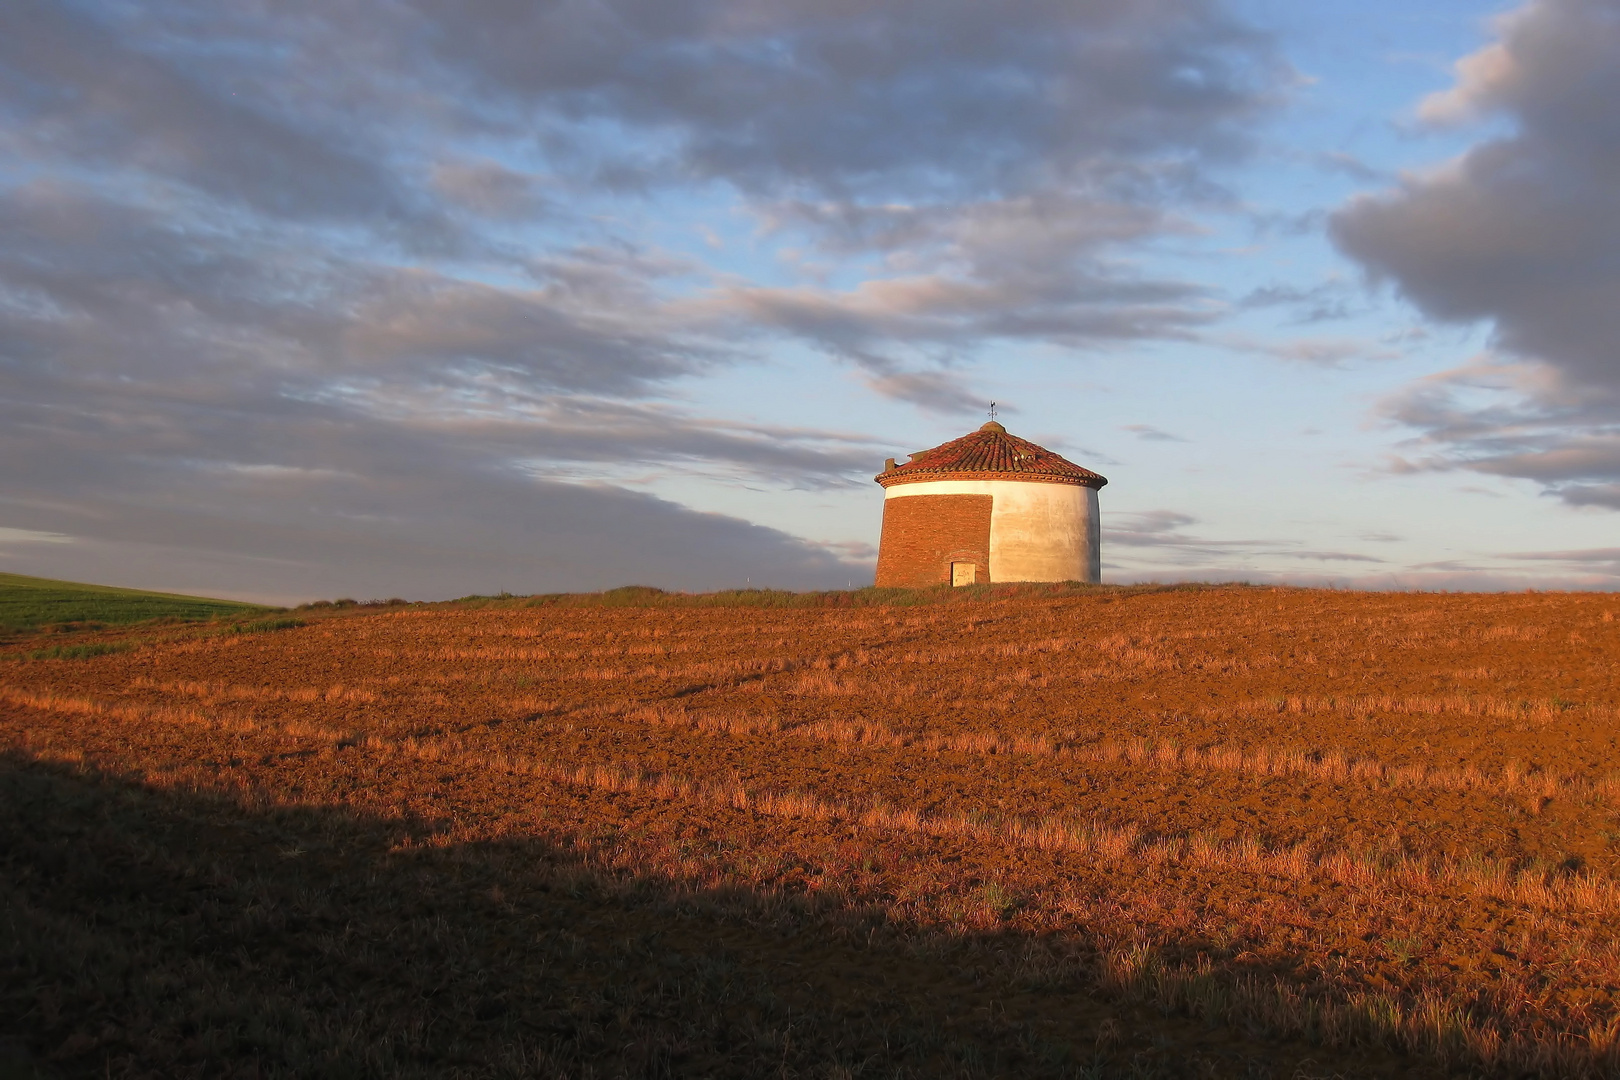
992 410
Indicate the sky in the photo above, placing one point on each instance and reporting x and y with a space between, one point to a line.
330 298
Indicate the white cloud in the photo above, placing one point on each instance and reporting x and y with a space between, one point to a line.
32 536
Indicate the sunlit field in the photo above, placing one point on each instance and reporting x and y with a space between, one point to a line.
1014 832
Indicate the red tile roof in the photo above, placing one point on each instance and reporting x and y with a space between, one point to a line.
990 454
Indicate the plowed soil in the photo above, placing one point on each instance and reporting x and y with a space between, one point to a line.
1216 831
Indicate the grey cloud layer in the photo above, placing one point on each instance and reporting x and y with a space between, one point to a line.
162 98
1522 231
1161 535
1035 267
179 392
90 281
1156 545
1011 150
325 288
953 95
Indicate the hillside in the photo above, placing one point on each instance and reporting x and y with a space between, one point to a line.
29 602
1220 831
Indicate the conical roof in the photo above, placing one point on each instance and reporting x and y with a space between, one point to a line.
990 454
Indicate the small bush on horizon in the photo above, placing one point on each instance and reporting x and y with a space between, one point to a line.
346 602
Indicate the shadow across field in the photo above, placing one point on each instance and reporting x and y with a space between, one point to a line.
153 932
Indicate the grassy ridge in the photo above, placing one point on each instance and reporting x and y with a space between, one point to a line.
646 596
27 602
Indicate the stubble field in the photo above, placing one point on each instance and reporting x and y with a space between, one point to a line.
1200 831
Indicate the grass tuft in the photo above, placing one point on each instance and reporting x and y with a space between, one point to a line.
265 626
80 652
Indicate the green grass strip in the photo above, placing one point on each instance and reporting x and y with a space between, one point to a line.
28 602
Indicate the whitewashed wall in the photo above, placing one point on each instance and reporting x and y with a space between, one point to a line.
1038 532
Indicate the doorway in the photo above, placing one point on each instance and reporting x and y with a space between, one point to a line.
963 573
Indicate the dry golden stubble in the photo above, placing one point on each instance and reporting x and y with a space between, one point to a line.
1508 697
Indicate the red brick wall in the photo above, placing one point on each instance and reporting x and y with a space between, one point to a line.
924 534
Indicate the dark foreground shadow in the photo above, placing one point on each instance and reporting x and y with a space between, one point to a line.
152 933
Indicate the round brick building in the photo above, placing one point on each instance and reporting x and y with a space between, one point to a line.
989 507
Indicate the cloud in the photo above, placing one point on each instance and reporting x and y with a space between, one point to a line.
1606 496
329 107
1519 231
1518 420
289 497
1323 302
1348 164
491 189
1331 556
1326 352
423 320
303 423
887 95
1157 529
97 278
1604 560
32 536
354 297
1329 352
83 85
1392 580
1008 152
1157 543
1592 568
1032 268
991 162
852 550
425 537
1151 433
937 391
